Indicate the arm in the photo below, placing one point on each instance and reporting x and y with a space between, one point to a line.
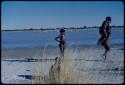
105 33
57 38
109 30
105 25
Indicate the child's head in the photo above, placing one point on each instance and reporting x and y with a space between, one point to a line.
108 18
62 31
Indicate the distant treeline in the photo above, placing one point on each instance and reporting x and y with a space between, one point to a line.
45 29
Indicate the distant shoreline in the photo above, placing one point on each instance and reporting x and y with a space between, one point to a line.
117 27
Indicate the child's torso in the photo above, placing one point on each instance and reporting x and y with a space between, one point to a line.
62 39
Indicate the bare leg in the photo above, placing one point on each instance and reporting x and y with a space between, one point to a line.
104 40
105 54
100 39
107 48
61 50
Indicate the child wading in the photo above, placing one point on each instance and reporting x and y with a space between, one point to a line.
105 31
61 39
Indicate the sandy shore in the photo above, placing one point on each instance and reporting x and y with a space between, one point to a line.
18 65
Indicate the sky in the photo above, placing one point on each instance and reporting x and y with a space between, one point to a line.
55 14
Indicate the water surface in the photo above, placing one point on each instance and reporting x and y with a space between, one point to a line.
33 39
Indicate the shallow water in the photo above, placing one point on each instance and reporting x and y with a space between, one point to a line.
42 39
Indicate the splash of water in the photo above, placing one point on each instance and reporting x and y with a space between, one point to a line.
44 50
61 72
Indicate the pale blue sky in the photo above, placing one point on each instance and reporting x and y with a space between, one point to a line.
53 14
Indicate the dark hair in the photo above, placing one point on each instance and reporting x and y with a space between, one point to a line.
108 18
62 30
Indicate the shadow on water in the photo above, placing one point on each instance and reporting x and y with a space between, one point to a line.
26 76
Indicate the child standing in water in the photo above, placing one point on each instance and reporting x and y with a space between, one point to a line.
61 39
